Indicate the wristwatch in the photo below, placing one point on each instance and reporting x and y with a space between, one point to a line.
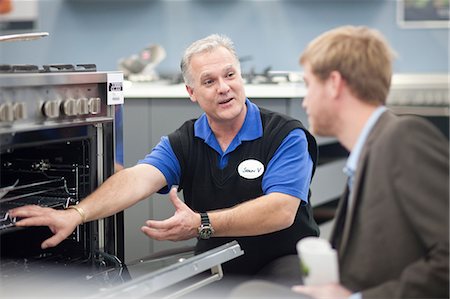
205 229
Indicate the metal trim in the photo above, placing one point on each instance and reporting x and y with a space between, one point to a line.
100 179
421 110
170 275
56 78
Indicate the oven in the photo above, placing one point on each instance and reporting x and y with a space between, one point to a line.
60 138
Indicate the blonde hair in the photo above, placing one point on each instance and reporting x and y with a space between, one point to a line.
206 44
361 55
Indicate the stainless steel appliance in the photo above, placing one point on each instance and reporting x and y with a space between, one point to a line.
57 145
426 95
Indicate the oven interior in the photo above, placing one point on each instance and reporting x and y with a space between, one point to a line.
52 175
53 172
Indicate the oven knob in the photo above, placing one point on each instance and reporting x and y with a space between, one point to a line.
51 109
6 112
20 111
94 105
69 107
83 106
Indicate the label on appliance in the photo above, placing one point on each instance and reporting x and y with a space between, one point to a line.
115 88
250 169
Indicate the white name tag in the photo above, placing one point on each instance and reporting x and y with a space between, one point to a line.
250 169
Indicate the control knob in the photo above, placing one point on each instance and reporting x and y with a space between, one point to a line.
50 109
69 107
83 106
94 105
6 112
20 111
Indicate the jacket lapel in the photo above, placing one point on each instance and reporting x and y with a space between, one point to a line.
336 233
358 184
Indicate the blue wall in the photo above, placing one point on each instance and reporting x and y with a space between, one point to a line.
273 32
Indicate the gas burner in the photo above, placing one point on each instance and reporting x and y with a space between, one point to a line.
19 68
5 68
25 68
54 68
48 68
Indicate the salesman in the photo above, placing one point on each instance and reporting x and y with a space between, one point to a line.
244 171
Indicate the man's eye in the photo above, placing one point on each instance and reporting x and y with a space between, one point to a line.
207 82
231 74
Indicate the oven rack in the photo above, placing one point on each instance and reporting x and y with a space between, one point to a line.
75 177
56 187
50 193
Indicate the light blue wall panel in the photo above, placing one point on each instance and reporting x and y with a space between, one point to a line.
272 32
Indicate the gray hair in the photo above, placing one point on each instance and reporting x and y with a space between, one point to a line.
206 44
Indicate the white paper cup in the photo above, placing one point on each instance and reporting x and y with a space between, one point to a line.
318 261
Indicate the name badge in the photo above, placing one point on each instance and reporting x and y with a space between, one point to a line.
250 169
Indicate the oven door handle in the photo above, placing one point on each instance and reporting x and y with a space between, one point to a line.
216 274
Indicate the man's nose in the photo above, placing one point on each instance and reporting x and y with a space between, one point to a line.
304 104
223 86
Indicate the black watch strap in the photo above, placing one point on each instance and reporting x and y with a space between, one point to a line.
204 219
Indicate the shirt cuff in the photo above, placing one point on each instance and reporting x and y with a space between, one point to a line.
355 296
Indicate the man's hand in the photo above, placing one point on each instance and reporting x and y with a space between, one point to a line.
181 226
327 291
61 222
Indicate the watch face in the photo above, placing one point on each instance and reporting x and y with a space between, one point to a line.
205 232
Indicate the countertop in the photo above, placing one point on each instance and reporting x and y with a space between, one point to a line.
161 90
430 90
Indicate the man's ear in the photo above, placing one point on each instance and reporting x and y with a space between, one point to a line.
336 83
190 91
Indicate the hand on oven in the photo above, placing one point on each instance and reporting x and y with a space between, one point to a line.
61 222
182 225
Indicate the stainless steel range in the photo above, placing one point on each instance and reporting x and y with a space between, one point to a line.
58 142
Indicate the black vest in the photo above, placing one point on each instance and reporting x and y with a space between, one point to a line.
206 187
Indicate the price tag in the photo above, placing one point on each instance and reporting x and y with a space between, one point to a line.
115 88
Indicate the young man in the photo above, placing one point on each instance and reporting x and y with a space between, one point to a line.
392 225
245 172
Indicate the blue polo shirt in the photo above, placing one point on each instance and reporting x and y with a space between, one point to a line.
289 171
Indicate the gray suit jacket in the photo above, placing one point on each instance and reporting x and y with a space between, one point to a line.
394 242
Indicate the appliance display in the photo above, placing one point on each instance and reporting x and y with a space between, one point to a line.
57 145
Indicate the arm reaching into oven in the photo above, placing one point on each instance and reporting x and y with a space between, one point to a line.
120 191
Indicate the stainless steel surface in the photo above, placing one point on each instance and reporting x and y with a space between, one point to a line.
216 274
43 79
30 101
422 110
22 36
170 275
57 135
419 90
